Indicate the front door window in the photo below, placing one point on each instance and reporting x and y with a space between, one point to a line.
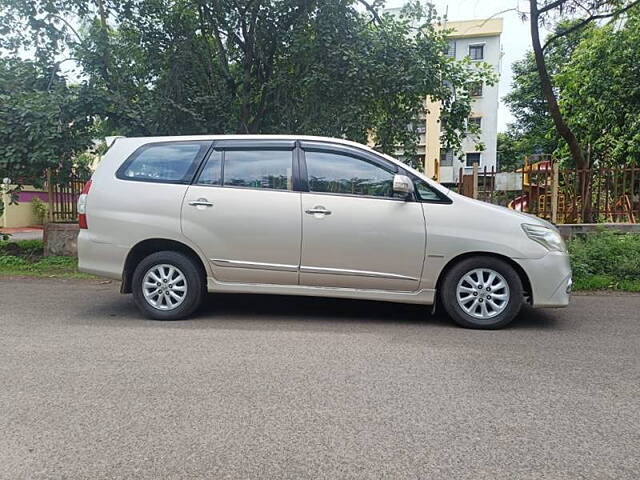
342 174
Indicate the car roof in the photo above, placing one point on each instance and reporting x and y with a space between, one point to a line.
261 137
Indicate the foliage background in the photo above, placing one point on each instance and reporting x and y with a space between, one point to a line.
339 68
597 79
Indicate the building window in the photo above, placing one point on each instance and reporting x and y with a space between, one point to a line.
475 89
474 121
451 49
476 52
473 158
418 126
446 158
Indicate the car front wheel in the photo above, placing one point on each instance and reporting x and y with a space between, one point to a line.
482 292
167 285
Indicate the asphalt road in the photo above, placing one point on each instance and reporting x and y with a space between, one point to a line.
281 387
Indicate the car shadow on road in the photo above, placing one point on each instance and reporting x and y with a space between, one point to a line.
223 310
278 312
264 312
228 306
310 308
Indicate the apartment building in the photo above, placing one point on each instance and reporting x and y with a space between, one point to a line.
480 41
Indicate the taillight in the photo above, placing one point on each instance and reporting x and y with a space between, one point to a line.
82 205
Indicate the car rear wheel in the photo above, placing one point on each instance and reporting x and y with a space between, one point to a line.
167 285
482 292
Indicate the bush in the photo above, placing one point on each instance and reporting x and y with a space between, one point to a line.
39 209
22 248
12 261
606 260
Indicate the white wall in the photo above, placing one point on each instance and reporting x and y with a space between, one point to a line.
485 106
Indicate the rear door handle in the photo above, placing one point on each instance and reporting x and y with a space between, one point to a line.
201 202
318 211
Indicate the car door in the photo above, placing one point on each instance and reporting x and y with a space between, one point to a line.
243 213
356 232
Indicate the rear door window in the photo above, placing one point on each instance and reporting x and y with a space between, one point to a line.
173 162
211 173
267 168
270 169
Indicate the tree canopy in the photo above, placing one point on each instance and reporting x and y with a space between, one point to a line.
601 92
584 14
328 67
595 76
43 121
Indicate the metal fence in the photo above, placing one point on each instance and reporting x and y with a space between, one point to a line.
561 195
63 192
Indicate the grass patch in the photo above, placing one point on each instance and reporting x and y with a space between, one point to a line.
605 282
606 261
45 267
25 257
28 249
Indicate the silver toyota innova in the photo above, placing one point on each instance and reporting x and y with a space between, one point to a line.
176 217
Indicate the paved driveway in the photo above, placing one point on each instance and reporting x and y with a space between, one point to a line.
282 387
27 233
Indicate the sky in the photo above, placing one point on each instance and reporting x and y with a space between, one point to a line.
515 38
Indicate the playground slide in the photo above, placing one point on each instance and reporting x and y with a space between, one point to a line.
520 203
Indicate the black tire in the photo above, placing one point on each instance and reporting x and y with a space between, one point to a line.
195 283
449 299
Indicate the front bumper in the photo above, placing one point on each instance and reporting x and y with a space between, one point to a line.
550 278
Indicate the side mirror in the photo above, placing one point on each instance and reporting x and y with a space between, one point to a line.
402 184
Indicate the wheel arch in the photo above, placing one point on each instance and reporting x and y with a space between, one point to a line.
524 278
152 245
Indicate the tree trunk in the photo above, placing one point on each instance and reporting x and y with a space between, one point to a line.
552 103
106 54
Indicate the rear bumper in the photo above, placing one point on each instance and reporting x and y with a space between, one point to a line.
550 278
102 259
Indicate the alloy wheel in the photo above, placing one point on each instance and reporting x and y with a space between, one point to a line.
482 293
164 287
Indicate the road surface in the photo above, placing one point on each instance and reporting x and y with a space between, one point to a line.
284 387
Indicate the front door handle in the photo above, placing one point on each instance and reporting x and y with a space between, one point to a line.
319 210
201 202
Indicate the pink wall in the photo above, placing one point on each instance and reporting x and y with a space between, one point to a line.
28 195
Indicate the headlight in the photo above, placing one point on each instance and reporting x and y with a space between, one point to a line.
547 237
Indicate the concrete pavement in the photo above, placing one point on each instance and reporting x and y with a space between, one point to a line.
26 233
284 387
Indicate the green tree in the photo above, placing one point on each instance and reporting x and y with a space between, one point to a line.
339 68
545 12
533 130
595 75
600 87
509 153
43 121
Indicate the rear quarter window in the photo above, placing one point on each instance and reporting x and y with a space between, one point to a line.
171 162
